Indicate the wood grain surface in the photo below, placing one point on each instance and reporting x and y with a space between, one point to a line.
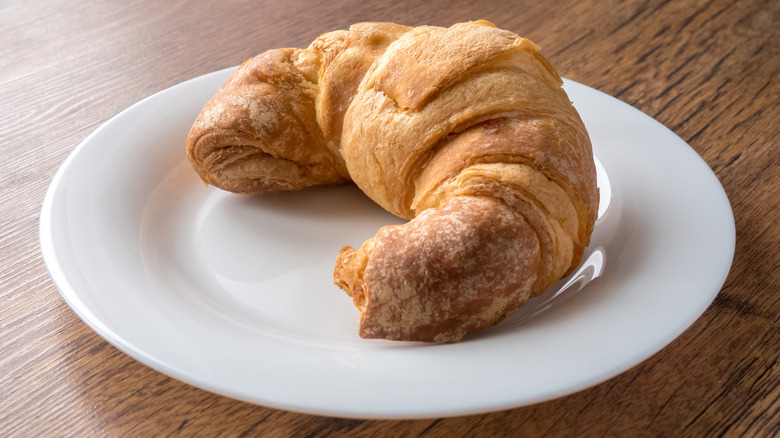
708 70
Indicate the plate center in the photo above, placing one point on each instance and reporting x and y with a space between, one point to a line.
253 259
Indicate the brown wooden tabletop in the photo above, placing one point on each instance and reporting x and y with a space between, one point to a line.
708 70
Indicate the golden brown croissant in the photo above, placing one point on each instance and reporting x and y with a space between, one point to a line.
464 131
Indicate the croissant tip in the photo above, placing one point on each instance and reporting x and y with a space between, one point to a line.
343 273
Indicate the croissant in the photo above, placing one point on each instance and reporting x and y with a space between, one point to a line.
465 131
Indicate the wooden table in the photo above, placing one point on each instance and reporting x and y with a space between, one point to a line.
709 70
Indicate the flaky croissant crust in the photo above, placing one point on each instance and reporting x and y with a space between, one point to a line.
465 131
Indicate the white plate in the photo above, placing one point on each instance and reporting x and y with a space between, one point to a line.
234 294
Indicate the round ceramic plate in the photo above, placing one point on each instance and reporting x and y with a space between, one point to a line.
234 294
